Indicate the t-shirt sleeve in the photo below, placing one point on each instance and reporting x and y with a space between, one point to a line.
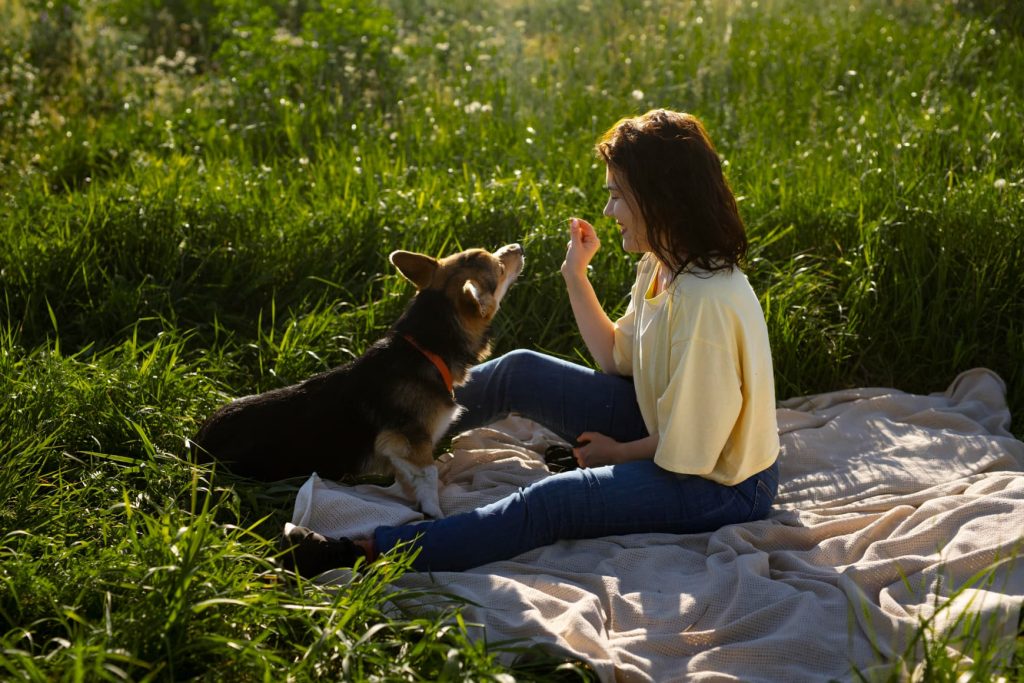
701 405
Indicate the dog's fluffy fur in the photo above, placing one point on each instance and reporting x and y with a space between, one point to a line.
385 411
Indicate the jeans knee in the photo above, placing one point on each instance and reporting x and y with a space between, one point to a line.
493 390
520 360
520 367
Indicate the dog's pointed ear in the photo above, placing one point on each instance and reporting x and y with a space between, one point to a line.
418 269
482 301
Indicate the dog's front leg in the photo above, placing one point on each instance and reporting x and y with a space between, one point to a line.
415 470
425 492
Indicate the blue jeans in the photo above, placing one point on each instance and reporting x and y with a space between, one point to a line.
633 497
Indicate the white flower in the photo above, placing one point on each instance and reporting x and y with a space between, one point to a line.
286 37
638 94
999 184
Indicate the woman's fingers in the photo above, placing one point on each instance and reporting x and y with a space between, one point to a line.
581 441
582 233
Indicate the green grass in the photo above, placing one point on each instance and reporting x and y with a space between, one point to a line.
198 203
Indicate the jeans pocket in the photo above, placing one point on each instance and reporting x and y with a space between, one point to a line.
761 503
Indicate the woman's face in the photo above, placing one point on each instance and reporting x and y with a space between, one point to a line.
622 208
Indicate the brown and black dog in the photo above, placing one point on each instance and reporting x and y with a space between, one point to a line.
385 411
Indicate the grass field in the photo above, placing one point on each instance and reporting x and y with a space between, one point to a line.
199 198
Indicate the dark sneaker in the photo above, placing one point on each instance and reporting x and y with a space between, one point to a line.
309 553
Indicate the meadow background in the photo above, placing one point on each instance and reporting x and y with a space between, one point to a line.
197 200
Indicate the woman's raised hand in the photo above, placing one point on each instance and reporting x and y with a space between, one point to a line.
583 244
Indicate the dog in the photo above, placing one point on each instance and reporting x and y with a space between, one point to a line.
384 412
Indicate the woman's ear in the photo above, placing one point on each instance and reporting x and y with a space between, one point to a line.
418 269
481 301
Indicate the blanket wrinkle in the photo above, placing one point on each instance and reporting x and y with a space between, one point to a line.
894 509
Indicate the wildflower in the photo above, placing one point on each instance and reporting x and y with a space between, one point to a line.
284 36
999 184
638 94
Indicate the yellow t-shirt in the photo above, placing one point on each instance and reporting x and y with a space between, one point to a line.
702 367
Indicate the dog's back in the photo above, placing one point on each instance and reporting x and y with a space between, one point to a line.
289 432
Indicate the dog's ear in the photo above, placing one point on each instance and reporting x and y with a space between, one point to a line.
481 301
418 269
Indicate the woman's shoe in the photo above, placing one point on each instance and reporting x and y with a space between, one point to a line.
308 553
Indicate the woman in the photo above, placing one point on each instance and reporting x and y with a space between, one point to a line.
678 433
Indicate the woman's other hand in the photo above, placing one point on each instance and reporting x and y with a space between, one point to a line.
583 244
596 449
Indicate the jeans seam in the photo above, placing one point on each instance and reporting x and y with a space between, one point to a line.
761 491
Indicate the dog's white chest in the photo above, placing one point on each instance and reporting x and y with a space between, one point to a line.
444 421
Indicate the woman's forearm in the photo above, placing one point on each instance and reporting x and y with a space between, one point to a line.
595 327
641 449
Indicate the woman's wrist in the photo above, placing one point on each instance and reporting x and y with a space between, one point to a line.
571 273
574 279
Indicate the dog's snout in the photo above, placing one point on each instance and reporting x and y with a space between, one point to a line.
514 249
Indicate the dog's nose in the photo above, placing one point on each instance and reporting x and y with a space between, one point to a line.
515 248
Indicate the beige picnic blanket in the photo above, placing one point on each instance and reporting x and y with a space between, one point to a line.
890 504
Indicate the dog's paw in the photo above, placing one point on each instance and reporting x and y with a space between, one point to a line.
420 485
431 509
426 495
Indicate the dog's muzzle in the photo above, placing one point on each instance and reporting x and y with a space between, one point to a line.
512 255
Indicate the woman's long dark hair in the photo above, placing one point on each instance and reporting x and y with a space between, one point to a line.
676 181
